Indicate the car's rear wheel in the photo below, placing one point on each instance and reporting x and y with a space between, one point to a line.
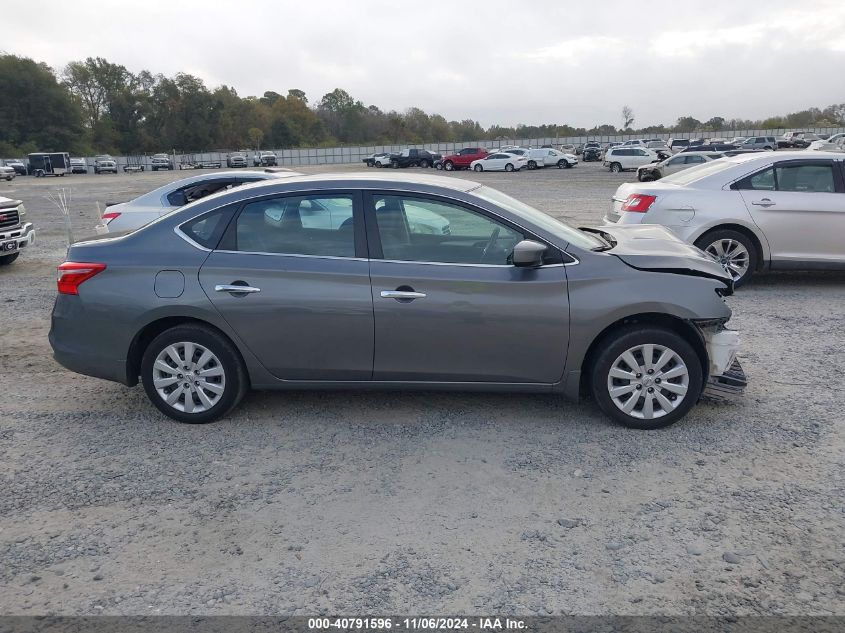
193 374
734 250
646 378
615 168
478 168
509 167
5 260
394 164
448 165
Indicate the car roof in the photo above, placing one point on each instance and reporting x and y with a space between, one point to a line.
764 157
702 153
365 178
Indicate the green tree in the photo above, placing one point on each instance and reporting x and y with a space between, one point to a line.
687 124
255 137
296 93
36 112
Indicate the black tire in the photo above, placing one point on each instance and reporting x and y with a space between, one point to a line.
561 164
237 381
616 168
478 168
379 165
394 164
424 164
532 164
449 165
509 167
630 336
716 235
5 260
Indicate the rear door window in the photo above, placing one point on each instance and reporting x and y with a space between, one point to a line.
320 225
806 178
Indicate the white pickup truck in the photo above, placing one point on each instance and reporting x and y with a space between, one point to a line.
15 232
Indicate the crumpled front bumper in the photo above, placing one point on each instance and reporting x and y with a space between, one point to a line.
726 379
727 386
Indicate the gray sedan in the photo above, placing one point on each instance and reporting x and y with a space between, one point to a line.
263 287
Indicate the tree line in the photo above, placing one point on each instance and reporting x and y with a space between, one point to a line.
96 106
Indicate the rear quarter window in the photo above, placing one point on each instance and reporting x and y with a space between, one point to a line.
207 229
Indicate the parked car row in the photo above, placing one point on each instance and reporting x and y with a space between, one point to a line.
509 158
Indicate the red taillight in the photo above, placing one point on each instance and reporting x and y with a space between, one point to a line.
638 202
72 274
108 217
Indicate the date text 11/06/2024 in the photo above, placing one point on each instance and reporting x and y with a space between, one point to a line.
417 624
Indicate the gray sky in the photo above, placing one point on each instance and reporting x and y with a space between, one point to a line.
498 62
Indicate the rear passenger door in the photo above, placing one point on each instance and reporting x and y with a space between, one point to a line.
448 304
800 206
290 276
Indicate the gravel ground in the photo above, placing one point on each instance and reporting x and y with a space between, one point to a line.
420 503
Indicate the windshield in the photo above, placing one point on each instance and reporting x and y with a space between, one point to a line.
543 220
698 172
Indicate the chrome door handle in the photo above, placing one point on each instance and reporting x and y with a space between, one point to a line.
235 288
401 294
765 202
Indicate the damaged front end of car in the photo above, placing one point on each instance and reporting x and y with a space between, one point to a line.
726 378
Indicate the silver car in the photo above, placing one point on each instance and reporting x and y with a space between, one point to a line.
276 285
674 164
126 216
780 211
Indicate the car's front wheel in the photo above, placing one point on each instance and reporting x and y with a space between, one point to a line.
509 167
478 168
645 377
424 164
532 164
734 250
5 260
562 163
193 374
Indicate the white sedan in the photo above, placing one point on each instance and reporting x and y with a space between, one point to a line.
770 210
127 216
500 161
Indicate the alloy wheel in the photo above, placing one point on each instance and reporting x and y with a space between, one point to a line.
189 377
648 381
732 255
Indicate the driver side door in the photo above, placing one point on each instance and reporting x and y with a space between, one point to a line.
448 304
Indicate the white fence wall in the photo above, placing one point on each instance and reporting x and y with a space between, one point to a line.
348 155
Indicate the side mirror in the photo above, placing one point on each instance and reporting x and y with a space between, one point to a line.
528 254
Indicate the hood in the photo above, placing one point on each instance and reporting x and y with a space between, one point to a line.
655 248
8 203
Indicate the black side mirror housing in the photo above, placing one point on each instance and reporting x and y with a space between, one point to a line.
528 254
